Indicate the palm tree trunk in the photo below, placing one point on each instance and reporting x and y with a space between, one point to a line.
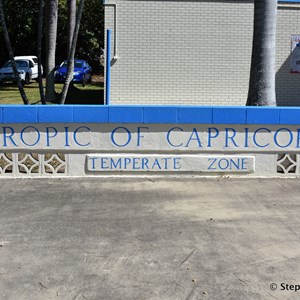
262 74
71 23
11 55
39 51
70 71
51 35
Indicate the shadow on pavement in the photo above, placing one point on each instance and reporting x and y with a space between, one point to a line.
85 96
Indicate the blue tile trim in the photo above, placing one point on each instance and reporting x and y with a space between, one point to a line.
161 114
55 114
229 115
150 114
263 115
289 116
90 114
17 114
195 115
125 114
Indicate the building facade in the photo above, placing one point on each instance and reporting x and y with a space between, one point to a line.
193 52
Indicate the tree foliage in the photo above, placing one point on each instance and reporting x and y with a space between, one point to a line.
10 53
22 22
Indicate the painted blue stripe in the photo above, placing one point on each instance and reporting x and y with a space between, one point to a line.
149 114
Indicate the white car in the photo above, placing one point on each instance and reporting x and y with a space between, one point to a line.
27 67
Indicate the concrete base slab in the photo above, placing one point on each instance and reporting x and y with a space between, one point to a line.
217 238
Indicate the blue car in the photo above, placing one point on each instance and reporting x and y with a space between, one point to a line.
82 72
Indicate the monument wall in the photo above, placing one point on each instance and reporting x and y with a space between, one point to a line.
39 141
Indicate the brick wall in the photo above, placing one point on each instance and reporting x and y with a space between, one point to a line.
194 52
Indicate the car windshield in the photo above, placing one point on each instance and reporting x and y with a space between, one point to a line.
19 63
78 64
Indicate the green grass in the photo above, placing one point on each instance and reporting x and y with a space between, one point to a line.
9 93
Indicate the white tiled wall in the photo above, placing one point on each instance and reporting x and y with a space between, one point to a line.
193 52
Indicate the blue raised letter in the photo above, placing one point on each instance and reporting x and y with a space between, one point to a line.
139 135
177 163
128 137
104 163
48 136
196 138
67 137
230 137
210 136
210 167
275 137
75 137
298 138
244 163
38 136
254 137
5 136
226 164
168 136
93 162
246 137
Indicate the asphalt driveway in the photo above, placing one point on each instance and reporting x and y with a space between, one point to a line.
113 238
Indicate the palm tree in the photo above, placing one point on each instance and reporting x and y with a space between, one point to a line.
39 50
71 23
11 55
51 35
262 74
70 69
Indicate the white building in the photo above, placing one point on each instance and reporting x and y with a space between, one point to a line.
193 52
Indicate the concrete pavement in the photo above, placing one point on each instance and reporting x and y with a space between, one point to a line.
117 238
